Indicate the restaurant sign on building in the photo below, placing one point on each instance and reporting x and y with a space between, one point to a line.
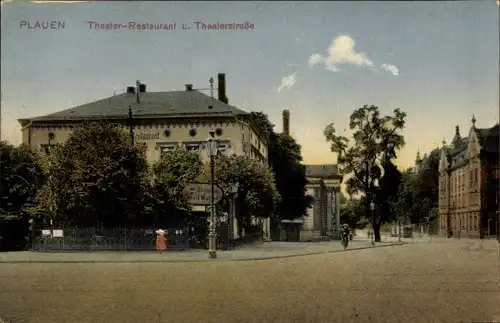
200 193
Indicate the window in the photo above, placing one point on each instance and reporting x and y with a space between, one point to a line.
165 148
192 147
317 192
223 148
47 148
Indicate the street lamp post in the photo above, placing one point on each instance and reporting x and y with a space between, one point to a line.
372 209
232 215
212 146
131 125
51 191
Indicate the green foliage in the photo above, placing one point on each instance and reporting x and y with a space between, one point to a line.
428 190
262 121
290 176
285 159
352 213
171 173
257 193
95 177
343 199
387 192
417 200
20 178
375 139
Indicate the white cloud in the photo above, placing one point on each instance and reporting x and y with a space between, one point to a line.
390 68
341 51
315 59
288 81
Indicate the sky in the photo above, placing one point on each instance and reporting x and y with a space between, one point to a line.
437 61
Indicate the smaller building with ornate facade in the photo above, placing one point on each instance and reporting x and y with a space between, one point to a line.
469 184
322 221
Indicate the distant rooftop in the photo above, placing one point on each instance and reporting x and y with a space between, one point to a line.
322 171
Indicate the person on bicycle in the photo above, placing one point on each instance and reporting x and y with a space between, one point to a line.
345 230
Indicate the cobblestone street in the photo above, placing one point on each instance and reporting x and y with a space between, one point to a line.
436 281
256 251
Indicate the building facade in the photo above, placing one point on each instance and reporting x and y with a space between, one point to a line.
161 121
468 184
322 221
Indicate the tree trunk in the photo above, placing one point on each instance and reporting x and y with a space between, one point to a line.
376 231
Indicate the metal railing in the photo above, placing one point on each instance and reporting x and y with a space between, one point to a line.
104 239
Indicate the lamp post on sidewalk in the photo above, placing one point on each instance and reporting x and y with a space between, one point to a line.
212 147
232 215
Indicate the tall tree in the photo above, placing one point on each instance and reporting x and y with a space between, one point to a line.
20 176
285 159
171 173
375 138
95 178
20 179
290 177
387 191
428 187
352 213
257 193
404 204
418 195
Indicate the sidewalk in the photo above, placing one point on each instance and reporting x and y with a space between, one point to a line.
490 244
268 250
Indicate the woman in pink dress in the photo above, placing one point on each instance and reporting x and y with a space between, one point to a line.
161 241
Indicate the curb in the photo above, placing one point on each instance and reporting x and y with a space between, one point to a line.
198 260
320 252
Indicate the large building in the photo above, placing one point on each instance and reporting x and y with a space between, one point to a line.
322 221
161 121
468 184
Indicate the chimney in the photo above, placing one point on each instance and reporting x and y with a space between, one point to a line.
286 122
131 89
189 87
142 88
221 78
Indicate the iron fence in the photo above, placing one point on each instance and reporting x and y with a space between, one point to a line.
128 239
105 239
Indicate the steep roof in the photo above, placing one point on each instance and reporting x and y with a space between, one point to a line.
152 105
489 139
322 171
